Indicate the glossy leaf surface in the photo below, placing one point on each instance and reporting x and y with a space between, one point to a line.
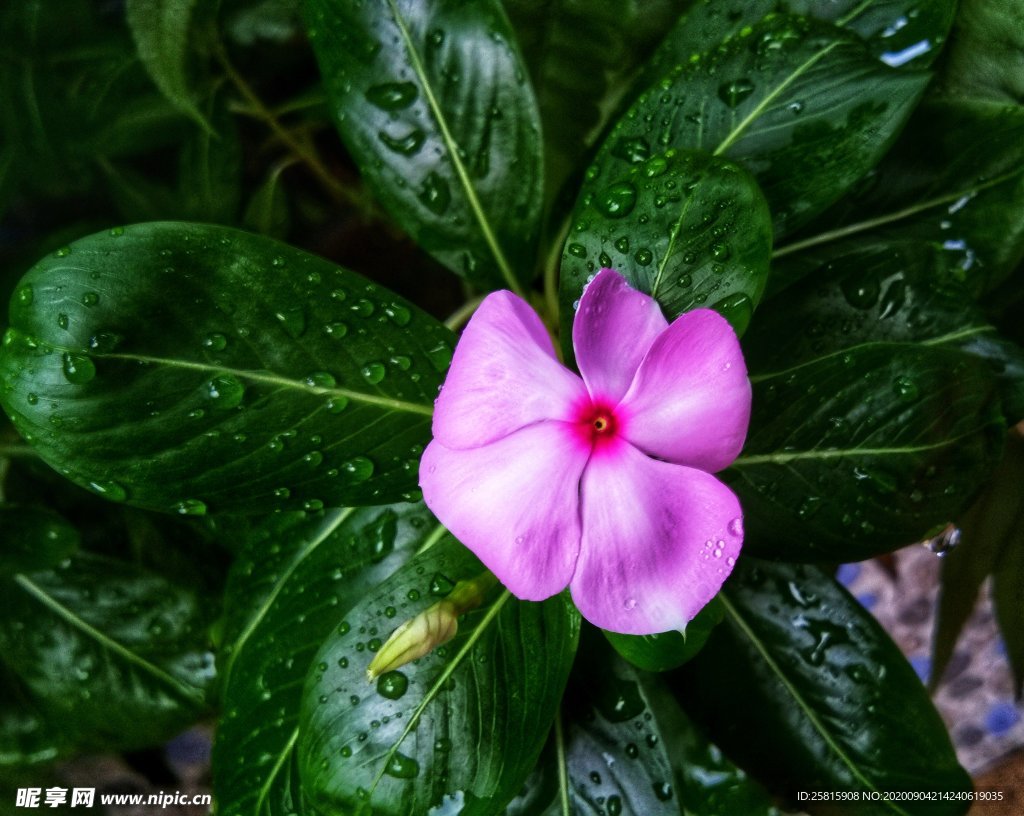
688 229
628 748
955 179
288 589
798 103
581 57
189 368
464 724
433 101
877 407
117 654
668 650
27 737
801 660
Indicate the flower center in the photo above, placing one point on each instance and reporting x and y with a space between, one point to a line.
602 424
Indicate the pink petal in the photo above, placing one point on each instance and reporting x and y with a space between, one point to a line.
690 400
513 502
614 327
658 542
504 376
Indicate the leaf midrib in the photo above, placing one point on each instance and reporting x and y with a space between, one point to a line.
934 341
785 457
268 378
802 704
326 532
191 694
453 152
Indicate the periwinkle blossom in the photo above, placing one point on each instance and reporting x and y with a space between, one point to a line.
601 483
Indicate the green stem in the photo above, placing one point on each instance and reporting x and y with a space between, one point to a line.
563 774
457 319
18 451
338 191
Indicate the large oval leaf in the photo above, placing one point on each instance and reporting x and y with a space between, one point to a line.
432 100
799 103
689 229
464 724
183 367
837 707
289 587
954 179
116 654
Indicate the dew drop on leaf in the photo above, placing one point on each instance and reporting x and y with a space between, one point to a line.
392 684
391 96
373 373
402 766
78 368
618 200
109 490
190 507
734 92
225 391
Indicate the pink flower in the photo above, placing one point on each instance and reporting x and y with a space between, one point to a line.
600 483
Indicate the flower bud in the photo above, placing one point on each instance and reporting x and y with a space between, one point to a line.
431 628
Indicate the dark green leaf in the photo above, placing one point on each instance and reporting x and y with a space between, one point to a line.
985 58
581 56
863 450
688 229
287 591
991 531
432 101
26 736
162 30
668 650
116 654
800 104
627 748
867 454
899 32
184 367
33 539
800 662
247 22
463 725
955 179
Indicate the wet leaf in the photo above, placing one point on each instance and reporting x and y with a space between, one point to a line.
798 658
460 727
433 102
33 538
668 650
195 369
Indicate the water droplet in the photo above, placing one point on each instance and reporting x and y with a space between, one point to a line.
313 458
633 149
663 791
630 603
104 342
226 391
434 194
734 92
293 321
440 356
577 250
441 585
25 295
945 541
358 469
190 507
402 767
63 252
632 751
618 200
905 388
337 404
736 527
390 96
62 321
407 145
90 299
398 314
392 684
321 379
335 329
860 292
373 373
282 493
312 505
109 490
614 805
643 257
78 368
362 307
215 342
